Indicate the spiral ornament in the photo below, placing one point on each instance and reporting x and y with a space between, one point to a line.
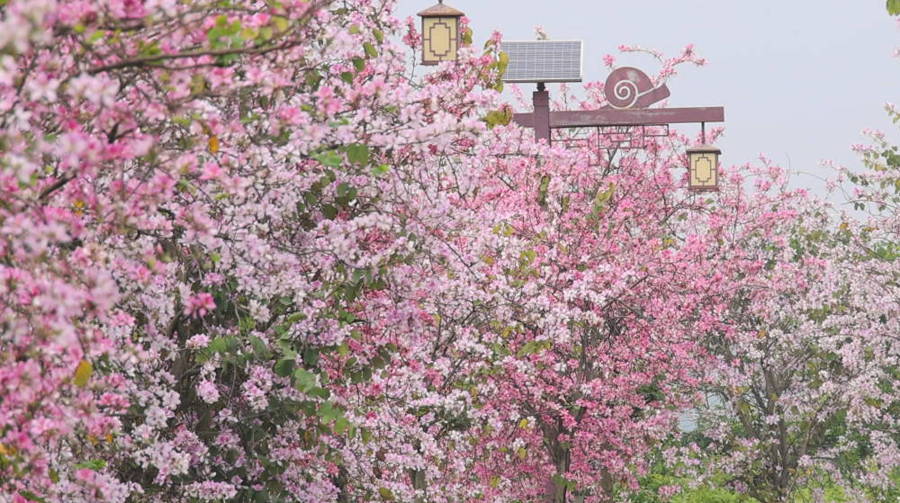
625 85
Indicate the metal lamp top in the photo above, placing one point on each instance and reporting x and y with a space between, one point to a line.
441 10
704 149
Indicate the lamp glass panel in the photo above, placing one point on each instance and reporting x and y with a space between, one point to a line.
440 38
703 169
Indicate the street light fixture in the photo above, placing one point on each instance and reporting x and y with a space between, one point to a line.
440 33
703 165
703 162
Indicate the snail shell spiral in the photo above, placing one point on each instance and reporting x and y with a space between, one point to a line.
625 85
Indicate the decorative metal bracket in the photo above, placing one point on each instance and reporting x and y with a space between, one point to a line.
629 92
629 87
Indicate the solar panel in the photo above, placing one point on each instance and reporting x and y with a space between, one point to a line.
543 61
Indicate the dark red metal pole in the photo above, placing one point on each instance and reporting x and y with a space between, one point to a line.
541 100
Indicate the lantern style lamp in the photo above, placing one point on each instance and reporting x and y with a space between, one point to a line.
703 167
440 33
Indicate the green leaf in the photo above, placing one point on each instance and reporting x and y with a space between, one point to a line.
260 349
502 61
532 347
151 49
341 425
94 464
347 77
362 376
249 34
467 36
893 7
83 373
284 367
96 36
32 497
313 78
358 154
331 158
328 412
602 198
329 211
311 356
322 393
381 169
359 64
379 35
500 117
346 191
281 23
386 494
304 380
247 324
198 84
218 345
371 52
526 257
542 190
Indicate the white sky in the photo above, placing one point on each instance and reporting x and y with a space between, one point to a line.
799 79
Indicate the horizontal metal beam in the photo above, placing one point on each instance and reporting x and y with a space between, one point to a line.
633 117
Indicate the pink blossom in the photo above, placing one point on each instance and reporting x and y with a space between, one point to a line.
199 305
198 341
207 391
211 171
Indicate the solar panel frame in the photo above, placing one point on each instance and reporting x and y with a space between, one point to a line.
544 61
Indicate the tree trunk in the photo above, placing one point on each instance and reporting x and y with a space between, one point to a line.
557 485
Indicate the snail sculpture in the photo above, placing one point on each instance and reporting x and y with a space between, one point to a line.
629 87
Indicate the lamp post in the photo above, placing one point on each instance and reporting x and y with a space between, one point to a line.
440 33
629 93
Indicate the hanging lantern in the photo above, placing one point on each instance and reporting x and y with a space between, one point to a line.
440 33
703 168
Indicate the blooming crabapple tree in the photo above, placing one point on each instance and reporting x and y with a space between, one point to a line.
209 219
563 305
605 278
588 287
808 396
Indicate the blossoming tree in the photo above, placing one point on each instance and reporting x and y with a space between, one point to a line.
808 394
196 198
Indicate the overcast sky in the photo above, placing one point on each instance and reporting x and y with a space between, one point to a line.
799 79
